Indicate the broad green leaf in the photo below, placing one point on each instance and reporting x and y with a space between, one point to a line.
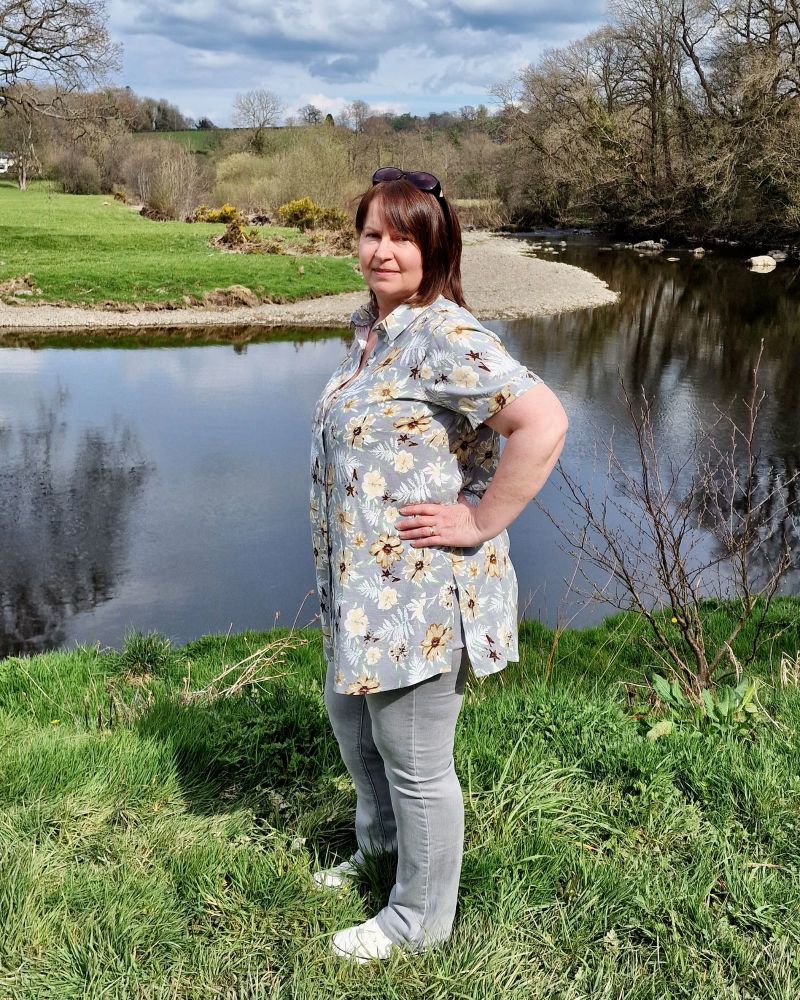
662 688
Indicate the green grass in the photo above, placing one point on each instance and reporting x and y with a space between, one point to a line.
163 849
198 140
209 140
89 249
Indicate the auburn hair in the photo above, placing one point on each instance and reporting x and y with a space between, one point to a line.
429 222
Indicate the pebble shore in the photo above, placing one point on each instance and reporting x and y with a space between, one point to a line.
501 280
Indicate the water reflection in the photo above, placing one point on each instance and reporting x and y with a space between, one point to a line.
64 516
759 529
688 334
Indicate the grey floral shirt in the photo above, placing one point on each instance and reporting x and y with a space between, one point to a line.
409 429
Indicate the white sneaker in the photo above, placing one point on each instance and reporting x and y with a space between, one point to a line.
336 877
362 943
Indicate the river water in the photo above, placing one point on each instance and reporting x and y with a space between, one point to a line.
165 487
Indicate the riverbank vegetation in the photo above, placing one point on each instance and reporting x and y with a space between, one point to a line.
95 249
158 836
682 117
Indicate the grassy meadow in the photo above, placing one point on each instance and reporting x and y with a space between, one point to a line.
198 140
91 248
158 845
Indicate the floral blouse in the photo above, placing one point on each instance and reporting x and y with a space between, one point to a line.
409 428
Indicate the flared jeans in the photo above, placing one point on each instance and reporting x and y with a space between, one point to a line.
397 746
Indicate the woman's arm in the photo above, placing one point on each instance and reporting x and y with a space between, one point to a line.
535 425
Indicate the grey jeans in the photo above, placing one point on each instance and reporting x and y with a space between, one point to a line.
398 748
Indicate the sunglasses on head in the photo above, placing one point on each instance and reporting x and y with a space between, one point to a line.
419 178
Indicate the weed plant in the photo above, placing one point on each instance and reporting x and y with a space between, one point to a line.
167 851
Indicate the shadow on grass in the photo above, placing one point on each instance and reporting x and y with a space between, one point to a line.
270 751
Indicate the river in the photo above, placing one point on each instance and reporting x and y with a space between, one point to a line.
164 487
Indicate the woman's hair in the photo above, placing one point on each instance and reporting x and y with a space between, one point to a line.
429 222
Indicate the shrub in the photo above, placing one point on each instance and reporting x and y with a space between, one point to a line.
299 163
302 213
482 213
238 238
244 180
334 218
226 213
77 173
165 176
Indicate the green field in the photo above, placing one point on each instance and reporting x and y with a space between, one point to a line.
153 846
199 140
208 140
90 248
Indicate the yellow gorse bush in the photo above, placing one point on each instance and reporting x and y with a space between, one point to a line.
302 213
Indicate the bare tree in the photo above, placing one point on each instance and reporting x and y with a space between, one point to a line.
680 114
61 43
354 115
20 135
257 110
310 114
49 49
648 535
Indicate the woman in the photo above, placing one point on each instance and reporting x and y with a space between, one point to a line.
410 500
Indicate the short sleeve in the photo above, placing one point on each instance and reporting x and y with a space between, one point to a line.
468 369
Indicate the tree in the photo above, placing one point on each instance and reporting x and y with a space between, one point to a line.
310 114
257 110
21 133
329 120
204 123
355 115
61 43
163 116
48 50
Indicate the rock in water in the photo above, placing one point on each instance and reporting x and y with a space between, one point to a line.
649 246
762 263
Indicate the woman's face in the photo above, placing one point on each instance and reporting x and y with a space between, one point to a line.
390 263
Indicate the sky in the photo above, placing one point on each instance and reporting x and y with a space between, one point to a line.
412 56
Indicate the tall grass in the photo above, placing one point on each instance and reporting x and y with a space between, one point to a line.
165 850
317 166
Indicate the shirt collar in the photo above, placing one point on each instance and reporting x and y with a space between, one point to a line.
399 319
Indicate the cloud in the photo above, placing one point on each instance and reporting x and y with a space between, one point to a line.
336 105
427 54
344 68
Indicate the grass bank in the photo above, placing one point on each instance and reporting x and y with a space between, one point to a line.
89 248
156 847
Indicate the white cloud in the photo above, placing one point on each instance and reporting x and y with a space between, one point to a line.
335 105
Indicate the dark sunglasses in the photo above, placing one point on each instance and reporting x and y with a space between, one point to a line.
419 178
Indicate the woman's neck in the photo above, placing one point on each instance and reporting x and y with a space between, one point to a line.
386 306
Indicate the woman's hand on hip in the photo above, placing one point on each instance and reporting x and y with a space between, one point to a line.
439 524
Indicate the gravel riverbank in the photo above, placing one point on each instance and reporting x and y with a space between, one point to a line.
501 281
